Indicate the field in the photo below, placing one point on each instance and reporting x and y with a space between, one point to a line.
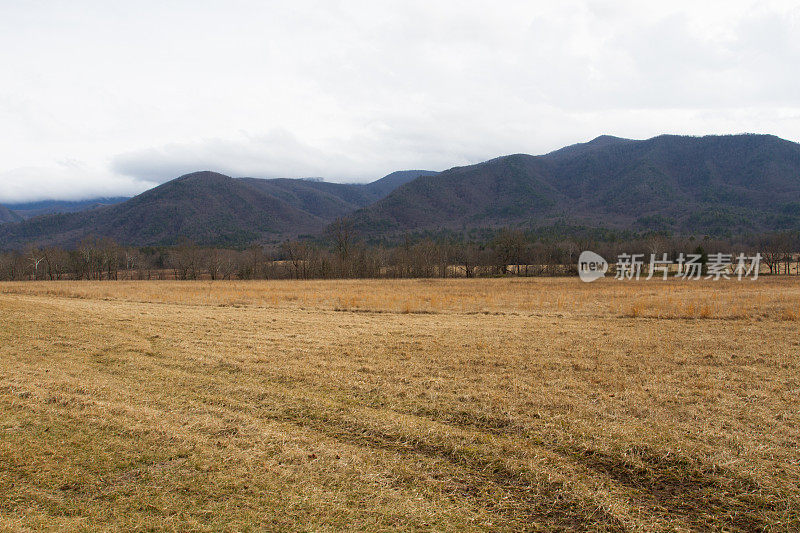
444 405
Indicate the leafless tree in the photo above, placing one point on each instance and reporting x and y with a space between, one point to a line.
773 249
35 257
298 254
509 246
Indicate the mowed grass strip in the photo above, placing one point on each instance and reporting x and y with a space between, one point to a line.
302 414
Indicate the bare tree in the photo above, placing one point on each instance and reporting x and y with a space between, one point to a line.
343 236
298 254
56 261
35 257
772 249
508 246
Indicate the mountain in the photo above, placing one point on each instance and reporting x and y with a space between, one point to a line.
601 142
7 215
206 208
711 185
333 200
380 188
48 207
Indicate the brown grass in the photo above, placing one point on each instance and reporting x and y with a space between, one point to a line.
451 405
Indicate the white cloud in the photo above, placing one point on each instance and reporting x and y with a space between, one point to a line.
142 92
69 180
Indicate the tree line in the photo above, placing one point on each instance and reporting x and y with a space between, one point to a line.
344 255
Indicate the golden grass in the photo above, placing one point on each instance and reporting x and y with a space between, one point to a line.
768 297
453 405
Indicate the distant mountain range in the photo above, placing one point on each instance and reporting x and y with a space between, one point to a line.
49 207
209 208
691 185
687 185
7 215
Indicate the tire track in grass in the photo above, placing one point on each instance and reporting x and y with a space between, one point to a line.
703 495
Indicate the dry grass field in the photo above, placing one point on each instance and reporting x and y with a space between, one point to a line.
441 405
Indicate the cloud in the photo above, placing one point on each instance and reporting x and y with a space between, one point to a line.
379 149
70 180
275 154
353 90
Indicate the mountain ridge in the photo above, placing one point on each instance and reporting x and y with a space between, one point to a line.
207 208
711 184
28 210
7 215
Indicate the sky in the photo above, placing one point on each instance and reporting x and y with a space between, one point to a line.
110 98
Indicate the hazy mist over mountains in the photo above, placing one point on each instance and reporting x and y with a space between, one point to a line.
717 185
209 208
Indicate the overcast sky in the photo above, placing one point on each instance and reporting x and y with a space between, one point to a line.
110 98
